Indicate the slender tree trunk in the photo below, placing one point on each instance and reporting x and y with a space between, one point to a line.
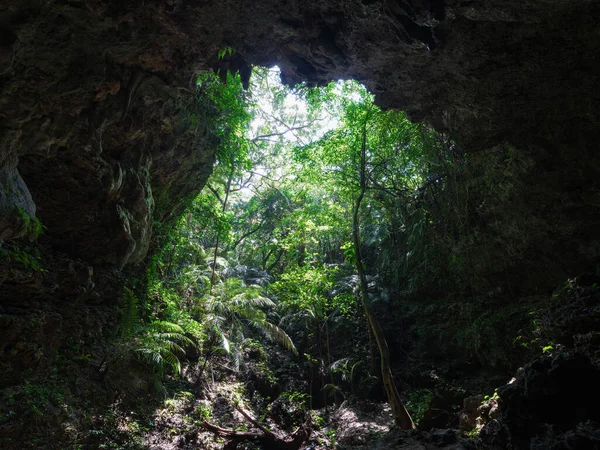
301 253
321 360
214 265
401 415
227 189
371 348
310 367
274 264
328 347
327 343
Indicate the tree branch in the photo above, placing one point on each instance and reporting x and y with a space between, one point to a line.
267 438
215 192
249 233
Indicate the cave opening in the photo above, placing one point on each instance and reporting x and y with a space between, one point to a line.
305 180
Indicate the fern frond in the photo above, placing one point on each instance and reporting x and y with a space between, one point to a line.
172 359
332 388
130 322
170 345
218 307
340 364
160 325
280 336
245 301
236 357
224 340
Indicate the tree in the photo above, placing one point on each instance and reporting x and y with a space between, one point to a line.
401 416
355 155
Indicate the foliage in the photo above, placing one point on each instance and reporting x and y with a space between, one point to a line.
349 371
280 199
24 255
290 408
37 397
159 343
226 51
32 226
119 433
309 288
232 307
418 403
331 437
204 411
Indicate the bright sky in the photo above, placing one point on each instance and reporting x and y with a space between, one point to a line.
292 105
285 120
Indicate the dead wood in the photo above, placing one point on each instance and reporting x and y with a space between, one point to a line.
267 439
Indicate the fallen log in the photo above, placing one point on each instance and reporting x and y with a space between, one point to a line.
265 437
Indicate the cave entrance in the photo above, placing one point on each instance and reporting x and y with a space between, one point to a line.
270 246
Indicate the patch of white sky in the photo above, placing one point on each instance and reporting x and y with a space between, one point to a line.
289 123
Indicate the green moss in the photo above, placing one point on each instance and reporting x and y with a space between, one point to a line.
32 226
24 256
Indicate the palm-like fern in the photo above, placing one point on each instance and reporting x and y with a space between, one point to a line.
233 306
159 343
349 371
130 318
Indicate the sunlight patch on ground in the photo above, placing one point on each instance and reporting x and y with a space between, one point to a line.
357 426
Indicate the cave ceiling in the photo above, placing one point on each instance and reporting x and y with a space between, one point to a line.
94 95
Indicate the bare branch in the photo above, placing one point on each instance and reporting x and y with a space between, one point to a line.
215 192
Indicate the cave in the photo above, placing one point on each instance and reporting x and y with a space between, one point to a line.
96 140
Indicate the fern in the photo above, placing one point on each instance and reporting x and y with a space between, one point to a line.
280 336
159 343
32 226
130 321
234 305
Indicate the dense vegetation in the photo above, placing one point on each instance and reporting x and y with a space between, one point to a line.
307 181
297 173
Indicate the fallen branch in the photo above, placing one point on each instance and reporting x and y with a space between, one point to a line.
264 436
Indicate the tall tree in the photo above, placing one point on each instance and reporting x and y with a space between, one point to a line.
358 156
401 415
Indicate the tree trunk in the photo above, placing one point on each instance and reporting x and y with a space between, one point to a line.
328 347
401 415
227 190
371 348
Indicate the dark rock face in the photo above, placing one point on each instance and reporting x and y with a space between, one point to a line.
44 310
14 197
552 403
100 137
